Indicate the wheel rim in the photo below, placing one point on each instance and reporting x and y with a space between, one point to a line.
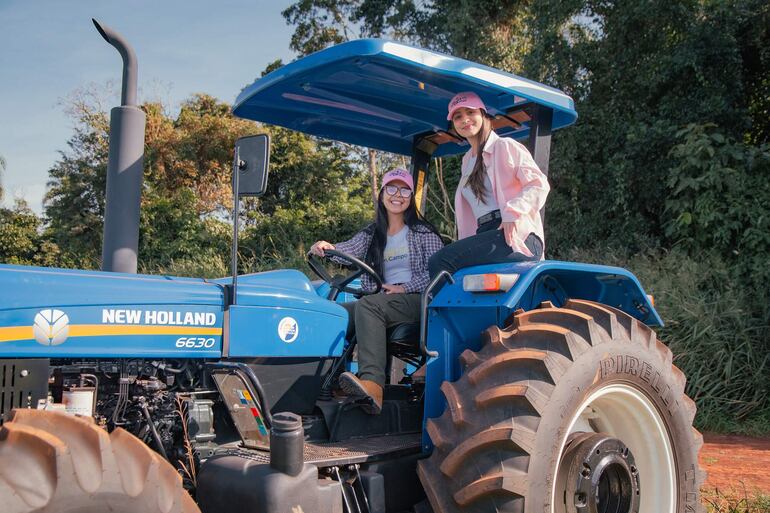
627 414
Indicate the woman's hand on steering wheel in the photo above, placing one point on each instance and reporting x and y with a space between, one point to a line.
319 247
340 284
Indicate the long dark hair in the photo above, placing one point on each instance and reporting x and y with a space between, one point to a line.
476 178
379 229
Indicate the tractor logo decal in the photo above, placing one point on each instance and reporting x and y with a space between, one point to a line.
288 330
51 327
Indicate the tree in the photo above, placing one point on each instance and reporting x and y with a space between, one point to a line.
22 242
2 168
638 73
74 202
493 32
187 193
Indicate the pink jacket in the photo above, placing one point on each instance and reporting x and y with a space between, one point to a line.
519 187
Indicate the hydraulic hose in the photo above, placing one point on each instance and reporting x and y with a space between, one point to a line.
154 431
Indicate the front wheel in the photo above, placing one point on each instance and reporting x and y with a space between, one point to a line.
567 410
56 463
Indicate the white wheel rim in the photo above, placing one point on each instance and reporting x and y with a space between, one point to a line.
627 414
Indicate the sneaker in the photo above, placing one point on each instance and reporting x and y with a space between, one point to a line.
362 389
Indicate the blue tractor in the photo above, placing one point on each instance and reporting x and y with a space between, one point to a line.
542 386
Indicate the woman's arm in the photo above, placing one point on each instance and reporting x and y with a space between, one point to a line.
533 182
356 246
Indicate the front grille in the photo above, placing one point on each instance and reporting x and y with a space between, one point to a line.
23 382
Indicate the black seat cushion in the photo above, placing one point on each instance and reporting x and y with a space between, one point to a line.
406 332
404 340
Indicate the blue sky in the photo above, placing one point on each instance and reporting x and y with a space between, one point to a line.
50 48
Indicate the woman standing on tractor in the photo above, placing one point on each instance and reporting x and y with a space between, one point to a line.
498 199
397 245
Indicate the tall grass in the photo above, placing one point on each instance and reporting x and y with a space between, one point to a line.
741 502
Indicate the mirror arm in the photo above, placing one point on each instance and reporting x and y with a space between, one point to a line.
237 162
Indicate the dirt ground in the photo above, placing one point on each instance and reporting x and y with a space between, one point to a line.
734 462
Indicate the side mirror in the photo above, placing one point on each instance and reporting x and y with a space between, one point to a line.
252 156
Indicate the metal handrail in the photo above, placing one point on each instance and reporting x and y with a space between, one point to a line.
424 300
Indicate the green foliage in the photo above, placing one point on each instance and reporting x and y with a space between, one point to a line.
74 202
490 31
443 178
718 194
637 77
172 230
2 168
22 242
319 23
315 190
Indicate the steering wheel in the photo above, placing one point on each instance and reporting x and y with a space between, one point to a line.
341 283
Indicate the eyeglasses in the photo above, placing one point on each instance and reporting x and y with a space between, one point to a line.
404 192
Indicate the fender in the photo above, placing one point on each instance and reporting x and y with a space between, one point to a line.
456 318
555 281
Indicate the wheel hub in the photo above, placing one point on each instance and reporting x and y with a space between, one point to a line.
598 474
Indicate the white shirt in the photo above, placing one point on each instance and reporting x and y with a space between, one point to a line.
395 259
489 203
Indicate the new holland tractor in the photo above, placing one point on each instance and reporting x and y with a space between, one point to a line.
542 386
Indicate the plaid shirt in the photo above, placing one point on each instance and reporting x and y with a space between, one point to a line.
422 244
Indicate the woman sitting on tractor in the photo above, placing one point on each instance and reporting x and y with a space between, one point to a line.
397 245
498 199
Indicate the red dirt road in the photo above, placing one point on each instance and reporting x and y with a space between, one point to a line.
734 462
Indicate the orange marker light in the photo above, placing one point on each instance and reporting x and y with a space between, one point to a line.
491 282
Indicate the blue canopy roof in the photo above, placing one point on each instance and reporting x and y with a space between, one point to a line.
381 94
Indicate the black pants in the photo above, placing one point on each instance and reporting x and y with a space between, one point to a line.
488 246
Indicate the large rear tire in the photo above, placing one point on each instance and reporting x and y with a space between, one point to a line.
53 462
539 392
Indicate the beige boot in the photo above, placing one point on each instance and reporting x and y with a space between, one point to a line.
362 389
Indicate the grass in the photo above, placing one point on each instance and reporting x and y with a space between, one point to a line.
741 502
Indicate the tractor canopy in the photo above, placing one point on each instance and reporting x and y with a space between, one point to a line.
390 96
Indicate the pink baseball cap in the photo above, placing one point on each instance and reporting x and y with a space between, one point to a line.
398 174
466 99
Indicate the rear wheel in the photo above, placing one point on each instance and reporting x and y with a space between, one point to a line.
567 410
53 462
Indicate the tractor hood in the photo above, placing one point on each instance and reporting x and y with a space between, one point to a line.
382 95
68 313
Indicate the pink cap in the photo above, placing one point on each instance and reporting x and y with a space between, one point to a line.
398 174
466 99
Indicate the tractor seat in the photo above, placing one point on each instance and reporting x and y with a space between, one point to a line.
403 339
405 332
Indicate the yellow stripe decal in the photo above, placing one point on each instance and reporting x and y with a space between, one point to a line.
100 330
16 333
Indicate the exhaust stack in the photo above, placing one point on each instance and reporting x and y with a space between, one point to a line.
125 167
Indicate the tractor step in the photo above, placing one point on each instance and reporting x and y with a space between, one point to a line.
348 452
